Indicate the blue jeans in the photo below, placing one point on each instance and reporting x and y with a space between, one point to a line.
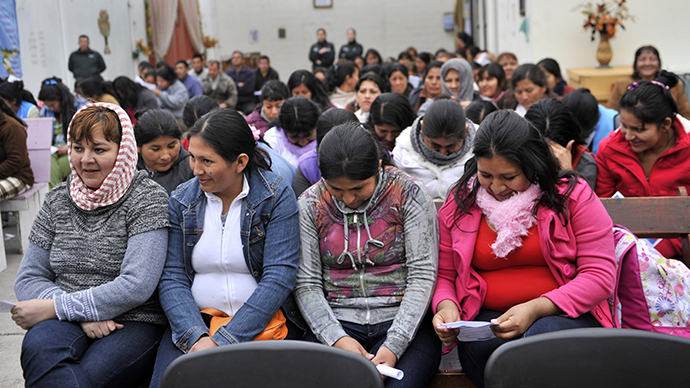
168 352
59 354
419 362
474 355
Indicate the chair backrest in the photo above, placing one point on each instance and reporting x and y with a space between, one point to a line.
272 364
38 141
594 357
654 217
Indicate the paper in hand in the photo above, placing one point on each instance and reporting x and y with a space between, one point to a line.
6 306
471 330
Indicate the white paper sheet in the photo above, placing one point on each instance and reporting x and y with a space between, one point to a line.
471 330
390 372
6 306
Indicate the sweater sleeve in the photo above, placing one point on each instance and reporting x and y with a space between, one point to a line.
309 292
231 101
606 180
175 97
447 273
595 264
13 140
300 183
35 277
139 274
421 258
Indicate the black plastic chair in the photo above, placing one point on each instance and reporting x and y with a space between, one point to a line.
591 358
273 364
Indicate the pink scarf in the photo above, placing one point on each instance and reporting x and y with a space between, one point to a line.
118 180
511 218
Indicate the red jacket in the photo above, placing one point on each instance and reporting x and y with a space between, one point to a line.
620 168
580 256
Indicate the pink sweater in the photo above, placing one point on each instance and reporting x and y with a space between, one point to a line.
580 256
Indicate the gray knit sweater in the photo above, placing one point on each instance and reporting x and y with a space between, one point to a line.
100 264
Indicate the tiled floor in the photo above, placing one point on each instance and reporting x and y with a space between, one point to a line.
11 335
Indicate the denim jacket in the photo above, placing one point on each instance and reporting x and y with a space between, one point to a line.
269 224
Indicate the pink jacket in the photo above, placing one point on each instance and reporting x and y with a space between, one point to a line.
580 255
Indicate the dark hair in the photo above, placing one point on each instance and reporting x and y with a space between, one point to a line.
395 66
554 121
7 110
474 65
551 66
505 133
425 57
650 102
477 110
83 36
15 93
446 119
431 65
321 29
298 116
127 92
330 119
374 52
531 72
150 72
167 73
264 57
466 38
473 50
198 55
52 89
154 123
375 78
494 70
636 73
405 55
274 90
372 68
320 69
391 109
228 133
350 151
213 62
196 107
336 74
182 61
92 87
144 65
585 109
318 92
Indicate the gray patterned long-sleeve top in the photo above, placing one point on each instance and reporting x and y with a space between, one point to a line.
100 264
368 265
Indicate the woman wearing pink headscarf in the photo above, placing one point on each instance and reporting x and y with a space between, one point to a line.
96 252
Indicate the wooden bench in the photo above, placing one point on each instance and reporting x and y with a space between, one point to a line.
654 217
27 204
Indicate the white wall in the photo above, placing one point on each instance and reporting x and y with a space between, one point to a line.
555 30
390 26
49 32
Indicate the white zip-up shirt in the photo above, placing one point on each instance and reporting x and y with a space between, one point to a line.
222 279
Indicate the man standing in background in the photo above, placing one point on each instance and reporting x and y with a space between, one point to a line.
85 62
264 73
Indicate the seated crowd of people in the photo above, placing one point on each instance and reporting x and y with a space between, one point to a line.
192 208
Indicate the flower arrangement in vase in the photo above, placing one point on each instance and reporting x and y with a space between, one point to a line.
604 18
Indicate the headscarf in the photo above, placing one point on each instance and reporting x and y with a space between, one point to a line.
120 177
466 90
